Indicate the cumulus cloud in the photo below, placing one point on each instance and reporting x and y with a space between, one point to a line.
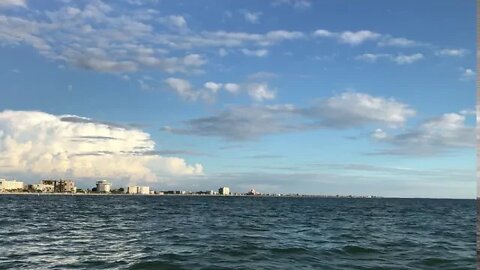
14 3
297 4
372 57
433 136
351 109
212 86
257 53
240 123
260 91
398 42
348 37
251 16
99 37
232 87
224 39
355 38
48 145
262 75
183 88
347 110
467 74
175 22
400 59
452 52
407 59
222 52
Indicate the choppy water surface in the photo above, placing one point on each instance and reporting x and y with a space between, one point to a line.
160 232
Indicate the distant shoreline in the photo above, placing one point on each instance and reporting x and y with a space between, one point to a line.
183 195
224 196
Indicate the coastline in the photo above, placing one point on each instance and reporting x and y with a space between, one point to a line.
188 195
225 196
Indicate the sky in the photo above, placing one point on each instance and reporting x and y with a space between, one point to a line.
284 96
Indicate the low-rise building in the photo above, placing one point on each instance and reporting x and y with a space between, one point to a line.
144 190
61 186
132 190
224 191
11 185
103 186
41 188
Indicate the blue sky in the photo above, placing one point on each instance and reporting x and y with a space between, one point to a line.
315 97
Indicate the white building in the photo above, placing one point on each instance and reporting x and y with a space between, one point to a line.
143 190
61 186
43 188
103 186
132 190
224 191
6 185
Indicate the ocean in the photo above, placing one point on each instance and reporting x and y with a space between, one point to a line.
195 232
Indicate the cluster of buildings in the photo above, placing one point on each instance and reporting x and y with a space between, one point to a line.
139 190
101 187
45 186
11 185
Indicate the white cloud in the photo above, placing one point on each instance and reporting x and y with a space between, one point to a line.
183 88
407 59
262 75
257 53
228 39
348 110
399 59
372 57
47 145
297 4
16 3
241 123
222 52
452 52
356 38
323 33
302 4
251 17
212 86
379 134
99 37
105 65
260 91
351 109
467 74
175 22
359 37
232 87
397 42
433 136
348 37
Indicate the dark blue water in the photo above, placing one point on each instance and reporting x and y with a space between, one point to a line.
160 232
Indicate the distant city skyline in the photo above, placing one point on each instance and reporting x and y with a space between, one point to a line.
282 96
